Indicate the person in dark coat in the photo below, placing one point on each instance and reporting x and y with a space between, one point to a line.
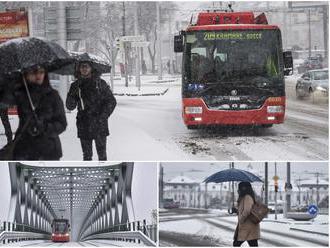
95 102
40 140
6 124
246 229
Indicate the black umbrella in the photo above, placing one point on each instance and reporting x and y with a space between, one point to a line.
17 55
231 175
98 64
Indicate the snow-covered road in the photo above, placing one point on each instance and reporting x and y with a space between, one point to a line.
150 128
211 229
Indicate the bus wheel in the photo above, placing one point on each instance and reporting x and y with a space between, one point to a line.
267 125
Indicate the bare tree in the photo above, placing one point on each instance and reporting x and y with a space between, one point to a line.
148 21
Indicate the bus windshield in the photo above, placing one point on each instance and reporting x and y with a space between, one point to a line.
232 56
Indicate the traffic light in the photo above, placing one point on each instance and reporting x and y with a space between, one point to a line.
118 43
276 185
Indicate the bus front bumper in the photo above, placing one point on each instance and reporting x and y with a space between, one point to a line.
196 113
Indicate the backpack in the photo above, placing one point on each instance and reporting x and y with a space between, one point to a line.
258 212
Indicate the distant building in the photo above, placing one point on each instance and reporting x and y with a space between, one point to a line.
194 194
184 190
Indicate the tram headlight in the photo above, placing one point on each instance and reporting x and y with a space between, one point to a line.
193 110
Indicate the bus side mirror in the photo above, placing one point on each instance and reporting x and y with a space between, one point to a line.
288 63
178 43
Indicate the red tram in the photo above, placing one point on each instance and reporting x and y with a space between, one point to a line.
60 230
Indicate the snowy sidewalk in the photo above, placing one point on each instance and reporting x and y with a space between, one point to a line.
150 85
319 225
126 141
272 233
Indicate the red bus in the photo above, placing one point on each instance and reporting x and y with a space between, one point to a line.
60 230
233 70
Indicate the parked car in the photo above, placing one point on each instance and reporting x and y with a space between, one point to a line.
170 203
311 81
280 206
311 63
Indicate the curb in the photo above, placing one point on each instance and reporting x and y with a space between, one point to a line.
143 94
307 231
161 81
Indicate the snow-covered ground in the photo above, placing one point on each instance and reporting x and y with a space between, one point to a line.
90 243
151 128
219 227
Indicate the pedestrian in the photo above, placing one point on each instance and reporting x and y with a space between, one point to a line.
122 69
41 117
246 230
95 102
168 65
144 67
6 123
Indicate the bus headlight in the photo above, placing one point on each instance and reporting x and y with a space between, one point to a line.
193 110
275 109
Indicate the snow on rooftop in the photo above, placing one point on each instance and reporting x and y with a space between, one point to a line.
182 179
313 182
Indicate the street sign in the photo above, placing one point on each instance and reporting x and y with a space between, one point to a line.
140 43
13 24
132 38
73 23
313 210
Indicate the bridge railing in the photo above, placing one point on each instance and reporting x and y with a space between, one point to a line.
136 232
14 232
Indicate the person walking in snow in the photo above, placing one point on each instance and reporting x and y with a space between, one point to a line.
246 230
95 102
38 129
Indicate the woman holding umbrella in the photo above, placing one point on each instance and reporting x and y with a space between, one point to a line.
246 230
26 63
41 140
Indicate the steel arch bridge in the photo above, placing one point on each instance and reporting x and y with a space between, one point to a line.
97 200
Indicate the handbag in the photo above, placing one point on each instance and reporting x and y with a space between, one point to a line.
258 212
7 152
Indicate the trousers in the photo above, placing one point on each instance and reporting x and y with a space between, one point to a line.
101 148
6 124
